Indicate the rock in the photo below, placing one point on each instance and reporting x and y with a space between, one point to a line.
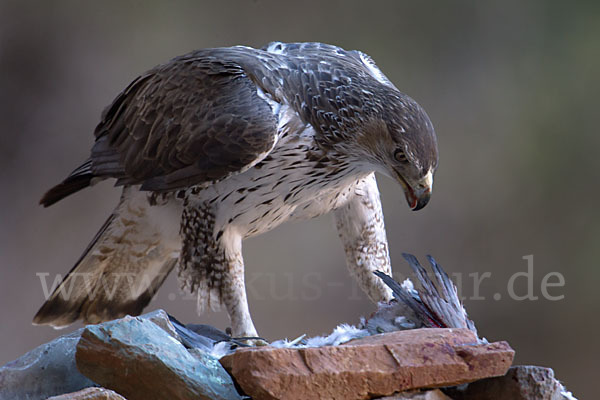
418 395
520 383
94 393
369 367
162 319
140 360
45 371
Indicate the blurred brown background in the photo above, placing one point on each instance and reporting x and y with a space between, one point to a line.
512 88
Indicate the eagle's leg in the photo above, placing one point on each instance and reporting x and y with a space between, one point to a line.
360 227
211 265
233 287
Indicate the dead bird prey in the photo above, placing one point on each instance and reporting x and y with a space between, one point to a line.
426 303
219 145
434 304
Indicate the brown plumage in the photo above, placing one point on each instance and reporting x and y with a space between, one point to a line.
222 144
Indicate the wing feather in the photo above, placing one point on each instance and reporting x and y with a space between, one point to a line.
199 118
195 119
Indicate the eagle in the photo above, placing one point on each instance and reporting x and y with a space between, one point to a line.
222 144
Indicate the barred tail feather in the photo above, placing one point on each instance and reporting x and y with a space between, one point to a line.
122 268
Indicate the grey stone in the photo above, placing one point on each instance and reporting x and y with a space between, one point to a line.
45 371
161 318
139 360
520 383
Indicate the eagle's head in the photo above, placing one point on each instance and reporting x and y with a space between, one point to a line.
401 143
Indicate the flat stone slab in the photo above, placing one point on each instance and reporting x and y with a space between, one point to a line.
374 366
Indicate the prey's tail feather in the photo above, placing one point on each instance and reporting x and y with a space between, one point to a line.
122 268
77 180
436 303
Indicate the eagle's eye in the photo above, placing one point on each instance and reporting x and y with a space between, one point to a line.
399 155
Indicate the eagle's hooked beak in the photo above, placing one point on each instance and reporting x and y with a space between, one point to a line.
418 195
